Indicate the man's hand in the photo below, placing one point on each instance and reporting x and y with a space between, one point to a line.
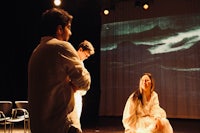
68 80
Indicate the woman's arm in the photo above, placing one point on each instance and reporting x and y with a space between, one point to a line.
129 115
156 110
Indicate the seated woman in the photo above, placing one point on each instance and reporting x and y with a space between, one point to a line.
142 112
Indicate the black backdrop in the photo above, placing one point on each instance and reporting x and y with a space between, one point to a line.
22 36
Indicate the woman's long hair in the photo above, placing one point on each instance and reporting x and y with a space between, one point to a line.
138 93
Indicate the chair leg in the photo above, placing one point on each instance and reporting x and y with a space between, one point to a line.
11 127
5 127
29 126
26 126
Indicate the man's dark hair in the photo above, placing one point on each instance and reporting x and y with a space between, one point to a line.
52 18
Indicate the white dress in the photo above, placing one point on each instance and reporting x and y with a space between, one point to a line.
75 115
138 118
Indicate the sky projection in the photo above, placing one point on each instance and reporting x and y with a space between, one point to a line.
186 34
166 46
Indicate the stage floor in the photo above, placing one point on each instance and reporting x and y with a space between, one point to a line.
114 125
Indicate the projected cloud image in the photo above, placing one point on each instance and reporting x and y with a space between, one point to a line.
168 47
167 33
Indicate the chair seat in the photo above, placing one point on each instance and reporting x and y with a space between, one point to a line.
26 117
3 119
15 120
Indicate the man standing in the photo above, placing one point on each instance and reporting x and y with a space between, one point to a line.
50 95
85 50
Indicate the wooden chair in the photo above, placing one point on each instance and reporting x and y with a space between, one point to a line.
23 105
5 114
18 115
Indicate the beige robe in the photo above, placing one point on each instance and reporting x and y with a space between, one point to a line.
138 118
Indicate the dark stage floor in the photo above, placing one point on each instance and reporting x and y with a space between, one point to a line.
114 125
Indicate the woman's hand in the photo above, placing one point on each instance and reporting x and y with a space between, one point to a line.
158 125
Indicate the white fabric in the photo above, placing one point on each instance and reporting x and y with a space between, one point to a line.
138 118
75 115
